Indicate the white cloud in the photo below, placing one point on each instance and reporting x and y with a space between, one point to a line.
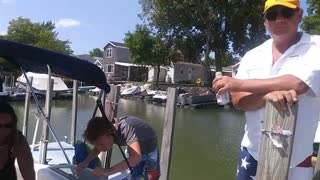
3 32
67 23
6 1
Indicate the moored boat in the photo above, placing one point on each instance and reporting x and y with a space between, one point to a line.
51 155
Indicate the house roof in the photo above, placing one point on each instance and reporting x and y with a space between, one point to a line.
188 63
130 64
116 44
86 57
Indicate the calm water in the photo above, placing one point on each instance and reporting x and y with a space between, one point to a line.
206 141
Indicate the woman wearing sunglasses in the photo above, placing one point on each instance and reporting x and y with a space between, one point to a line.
13 145
283 70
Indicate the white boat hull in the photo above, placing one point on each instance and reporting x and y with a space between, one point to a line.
59 169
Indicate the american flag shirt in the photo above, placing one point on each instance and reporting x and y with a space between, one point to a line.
247 166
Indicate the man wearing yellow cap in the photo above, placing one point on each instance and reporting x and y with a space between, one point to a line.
283 70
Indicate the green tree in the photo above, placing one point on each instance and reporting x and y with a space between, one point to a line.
96 52
201 27
147 49
311 23
41 35
227 60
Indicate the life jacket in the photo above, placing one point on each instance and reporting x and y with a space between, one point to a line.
82 150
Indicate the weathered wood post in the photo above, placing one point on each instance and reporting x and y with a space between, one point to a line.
276 143
168 132
111 109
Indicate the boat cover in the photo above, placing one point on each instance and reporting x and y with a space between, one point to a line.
35 59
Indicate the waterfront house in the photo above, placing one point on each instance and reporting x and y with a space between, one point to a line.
180 72
183 72
153 71
117 65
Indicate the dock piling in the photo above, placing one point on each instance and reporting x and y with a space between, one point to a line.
111 109
276 143
168 132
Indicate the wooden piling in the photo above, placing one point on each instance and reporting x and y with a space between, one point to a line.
168 132
274 162
111 109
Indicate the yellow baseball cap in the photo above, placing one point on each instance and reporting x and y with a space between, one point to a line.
288 3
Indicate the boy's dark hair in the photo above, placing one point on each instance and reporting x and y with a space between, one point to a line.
97 126
5 108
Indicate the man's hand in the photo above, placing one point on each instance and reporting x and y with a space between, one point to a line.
222 84
282 99
81 166
100 172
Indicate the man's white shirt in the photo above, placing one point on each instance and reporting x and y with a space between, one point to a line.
301 60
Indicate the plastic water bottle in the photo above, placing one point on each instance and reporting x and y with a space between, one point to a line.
222 99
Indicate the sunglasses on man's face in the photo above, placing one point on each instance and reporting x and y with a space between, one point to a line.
285 12
7 125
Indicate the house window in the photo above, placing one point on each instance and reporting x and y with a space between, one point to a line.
181 70
109 52
109 68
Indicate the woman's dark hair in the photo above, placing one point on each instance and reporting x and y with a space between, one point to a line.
97 126
5 108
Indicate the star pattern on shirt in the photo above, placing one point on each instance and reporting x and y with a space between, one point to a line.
247 165
244 163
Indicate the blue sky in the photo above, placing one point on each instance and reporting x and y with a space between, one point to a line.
87 24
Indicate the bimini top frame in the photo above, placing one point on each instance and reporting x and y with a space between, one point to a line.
29 58
35 59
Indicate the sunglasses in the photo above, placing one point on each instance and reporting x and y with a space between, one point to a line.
285 12
8 125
